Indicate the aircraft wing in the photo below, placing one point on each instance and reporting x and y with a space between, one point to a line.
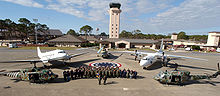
17 61
132 52
71 56
175 56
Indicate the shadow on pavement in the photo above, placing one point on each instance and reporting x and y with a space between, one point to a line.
111 82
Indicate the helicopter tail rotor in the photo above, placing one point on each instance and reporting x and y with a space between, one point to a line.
217 73
218 67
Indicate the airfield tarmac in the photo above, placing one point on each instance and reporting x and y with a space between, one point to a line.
142 86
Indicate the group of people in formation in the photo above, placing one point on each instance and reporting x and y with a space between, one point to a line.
99 72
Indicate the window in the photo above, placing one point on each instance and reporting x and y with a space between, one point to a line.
61 52
112 35
112 31
116 13
116 28
112 13
116 25
112 24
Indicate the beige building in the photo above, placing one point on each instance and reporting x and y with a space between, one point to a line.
114 23
174 36
67 41
213 39
128 43
187 43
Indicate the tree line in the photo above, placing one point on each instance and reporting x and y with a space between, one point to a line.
85 30
21 30
136 34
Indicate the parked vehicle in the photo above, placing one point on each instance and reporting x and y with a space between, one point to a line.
218 50
188 49
12 45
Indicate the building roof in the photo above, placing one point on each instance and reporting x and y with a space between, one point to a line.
141 41
190 41
89 38
55 32
166 40
214 32
68 39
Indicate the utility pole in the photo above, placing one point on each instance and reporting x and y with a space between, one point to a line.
35 20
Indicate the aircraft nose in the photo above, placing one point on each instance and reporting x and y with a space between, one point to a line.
143 63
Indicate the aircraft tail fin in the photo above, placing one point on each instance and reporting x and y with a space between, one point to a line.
217 73
161 46
38 52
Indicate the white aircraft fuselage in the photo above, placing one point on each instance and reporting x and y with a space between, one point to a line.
151 58
52 55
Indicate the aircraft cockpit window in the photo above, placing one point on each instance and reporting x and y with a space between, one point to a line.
62 52
145 59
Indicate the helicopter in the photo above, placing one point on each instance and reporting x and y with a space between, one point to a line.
33 75
102 52
180 77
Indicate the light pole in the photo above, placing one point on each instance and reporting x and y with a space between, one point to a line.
35 20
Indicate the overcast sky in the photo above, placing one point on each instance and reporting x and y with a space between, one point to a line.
150 16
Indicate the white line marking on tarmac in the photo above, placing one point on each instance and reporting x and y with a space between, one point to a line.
125 89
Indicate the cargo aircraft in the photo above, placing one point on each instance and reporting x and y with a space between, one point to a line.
151 58
48 57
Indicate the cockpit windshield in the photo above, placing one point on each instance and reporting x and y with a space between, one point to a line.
62 52
145 59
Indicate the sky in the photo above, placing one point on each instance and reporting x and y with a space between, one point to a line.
195 17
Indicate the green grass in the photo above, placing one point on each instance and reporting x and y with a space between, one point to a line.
3 46
47 48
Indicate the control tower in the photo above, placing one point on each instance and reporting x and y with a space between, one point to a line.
114 23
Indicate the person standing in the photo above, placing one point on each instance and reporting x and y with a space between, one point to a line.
64 75
105 78
71 74
99 78
68 75
135 74
136 55
76 73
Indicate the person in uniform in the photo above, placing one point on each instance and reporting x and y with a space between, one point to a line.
136 55
105 78
117 73
76 73
71 74
68 75
64 75
135 75
109 73
99 78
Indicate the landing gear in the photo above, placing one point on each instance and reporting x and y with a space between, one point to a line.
144 68
164 64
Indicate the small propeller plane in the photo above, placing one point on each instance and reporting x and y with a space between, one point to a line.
48 57
151 58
